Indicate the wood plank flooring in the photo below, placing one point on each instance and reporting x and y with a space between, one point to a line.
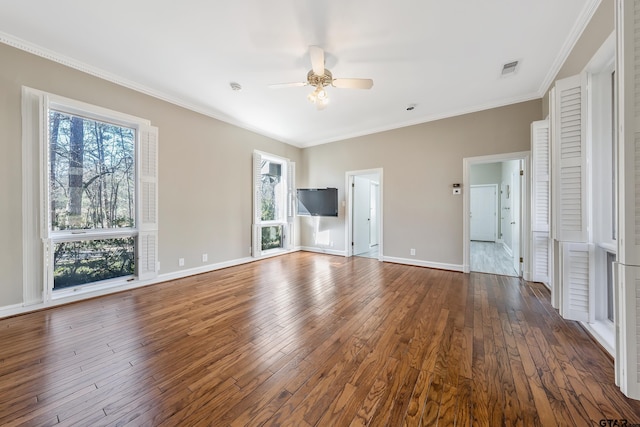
304 340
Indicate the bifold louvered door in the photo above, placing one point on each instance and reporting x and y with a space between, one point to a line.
570 184
541 197
628 281
148 207
570 159
577 274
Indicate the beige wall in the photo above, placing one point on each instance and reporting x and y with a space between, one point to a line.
420 163
204 165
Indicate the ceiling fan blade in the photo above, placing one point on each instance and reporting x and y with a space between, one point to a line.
353 83
282 85
317 60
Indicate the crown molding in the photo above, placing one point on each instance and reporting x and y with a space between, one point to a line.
574 35
129 84
453 113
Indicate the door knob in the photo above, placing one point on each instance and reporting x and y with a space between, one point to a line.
513 222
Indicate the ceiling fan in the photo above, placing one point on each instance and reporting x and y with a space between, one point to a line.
320 77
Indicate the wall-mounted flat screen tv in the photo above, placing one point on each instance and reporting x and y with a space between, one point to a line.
318 201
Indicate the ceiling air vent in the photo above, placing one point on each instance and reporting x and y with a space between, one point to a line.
509 68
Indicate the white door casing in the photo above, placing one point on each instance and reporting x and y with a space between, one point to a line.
373 214
361 210
467 164
349 180
515 220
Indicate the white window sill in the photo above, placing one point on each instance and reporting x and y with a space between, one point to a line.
609 247
603 331
91 288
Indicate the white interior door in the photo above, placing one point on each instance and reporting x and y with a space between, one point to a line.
515 220
484 212
361 208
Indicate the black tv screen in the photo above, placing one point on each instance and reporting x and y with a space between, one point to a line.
318 201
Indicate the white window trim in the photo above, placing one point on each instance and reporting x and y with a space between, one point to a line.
599 72
37 236
288 213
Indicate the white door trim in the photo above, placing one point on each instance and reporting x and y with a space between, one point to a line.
525 223
349 211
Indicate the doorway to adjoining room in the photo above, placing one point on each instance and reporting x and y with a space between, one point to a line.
495 217
364 213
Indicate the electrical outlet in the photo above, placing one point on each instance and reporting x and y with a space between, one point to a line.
180 262
205 257
413 251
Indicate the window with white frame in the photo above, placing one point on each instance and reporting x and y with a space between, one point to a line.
273 203
603 160
97 194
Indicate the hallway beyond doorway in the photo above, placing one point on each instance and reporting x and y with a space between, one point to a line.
490 257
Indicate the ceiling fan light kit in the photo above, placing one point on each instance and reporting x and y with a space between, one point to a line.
320 77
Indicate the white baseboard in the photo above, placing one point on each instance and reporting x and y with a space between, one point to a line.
205 269
12 310
602 335
323 250
421 263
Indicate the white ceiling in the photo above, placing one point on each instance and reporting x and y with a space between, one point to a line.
443 56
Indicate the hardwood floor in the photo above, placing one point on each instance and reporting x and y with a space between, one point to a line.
309 339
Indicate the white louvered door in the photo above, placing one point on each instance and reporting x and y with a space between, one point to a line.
577 274
570 158
541 197
570 184
627 289
148 206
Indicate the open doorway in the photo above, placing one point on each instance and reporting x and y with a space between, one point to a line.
495 220
364 215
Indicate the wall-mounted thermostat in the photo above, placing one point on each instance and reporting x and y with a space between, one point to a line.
456 189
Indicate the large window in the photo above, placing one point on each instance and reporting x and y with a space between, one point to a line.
90 197
273 184
92 193
603 203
